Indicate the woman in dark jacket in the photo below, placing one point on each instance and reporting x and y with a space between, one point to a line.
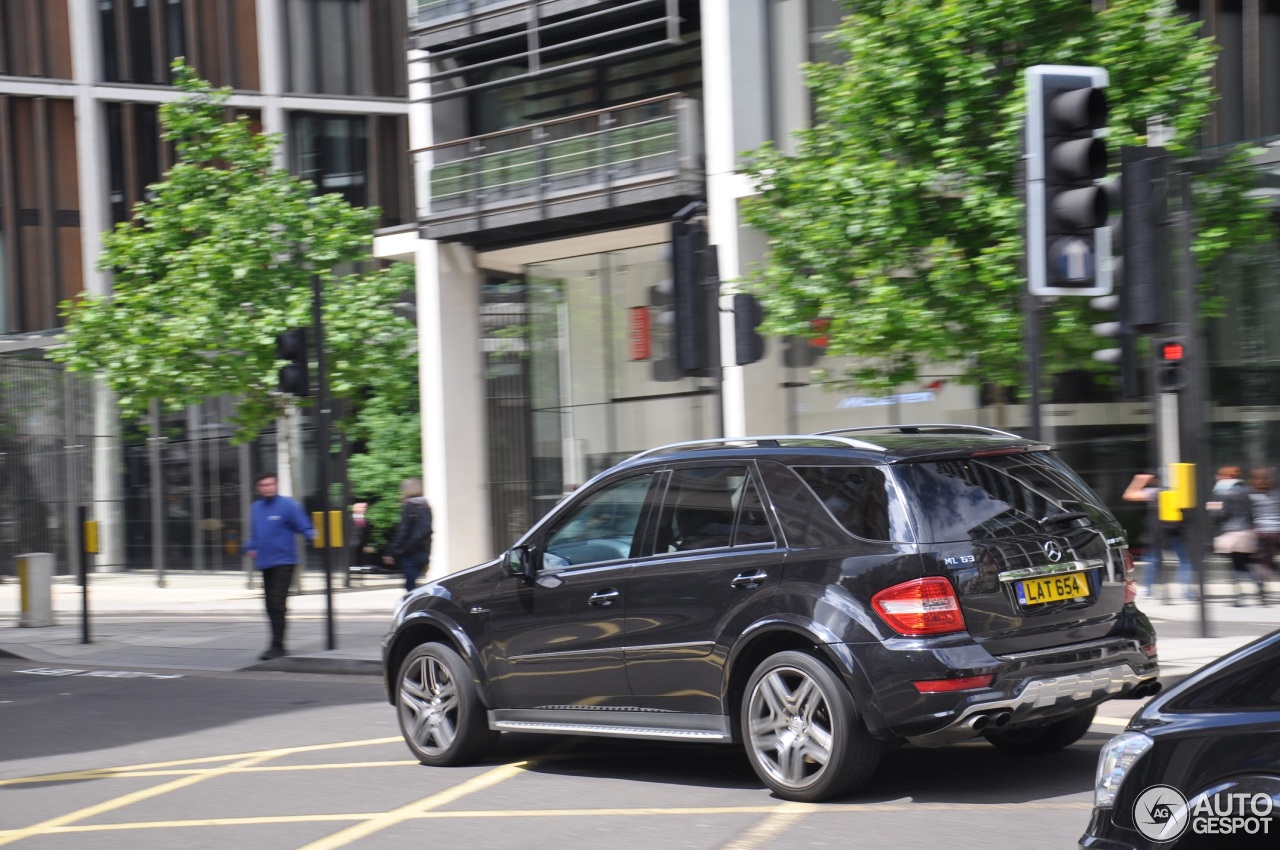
1237 537
410 546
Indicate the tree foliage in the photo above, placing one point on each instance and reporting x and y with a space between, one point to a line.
388 423
898 216
219 260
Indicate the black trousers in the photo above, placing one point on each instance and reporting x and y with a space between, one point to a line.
275 590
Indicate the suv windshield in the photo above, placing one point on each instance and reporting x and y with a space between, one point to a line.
1002 495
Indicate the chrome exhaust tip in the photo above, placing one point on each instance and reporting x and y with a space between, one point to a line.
978 722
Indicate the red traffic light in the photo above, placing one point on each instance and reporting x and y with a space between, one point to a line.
1171 351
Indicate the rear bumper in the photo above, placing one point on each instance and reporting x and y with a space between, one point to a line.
1042 700
1026 688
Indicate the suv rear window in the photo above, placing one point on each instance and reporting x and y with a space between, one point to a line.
998 496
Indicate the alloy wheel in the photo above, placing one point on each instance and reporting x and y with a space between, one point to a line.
790 727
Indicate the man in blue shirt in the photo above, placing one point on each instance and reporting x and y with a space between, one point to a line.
274 523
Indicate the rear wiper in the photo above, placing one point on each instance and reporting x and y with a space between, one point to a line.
1062 517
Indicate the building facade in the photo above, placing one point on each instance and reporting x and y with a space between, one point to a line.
553 142
81 83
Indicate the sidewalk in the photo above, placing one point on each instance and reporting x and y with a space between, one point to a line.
213 621
201 621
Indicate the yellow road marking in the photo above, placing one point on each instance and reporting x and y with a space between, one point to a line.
1111 721
114 772
128 799
395 816
488 814
769 827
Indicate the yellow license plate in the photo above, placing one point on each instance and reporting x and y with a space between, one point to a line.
1035 591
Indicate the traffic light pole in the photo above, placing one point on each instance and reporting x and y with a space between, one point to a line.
322 449
1192 415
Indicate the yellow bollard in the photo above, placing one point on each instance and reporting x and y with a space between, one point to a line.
91 537
1182 480
335 529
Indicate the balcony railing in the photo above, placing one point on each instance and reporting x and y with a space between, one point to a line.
606 153
432 10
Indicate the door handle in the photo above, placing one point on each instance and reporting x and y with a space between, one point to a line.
749 581
603 598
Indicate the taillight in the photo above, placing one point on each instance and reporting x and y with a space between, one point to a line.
922 606
1130 584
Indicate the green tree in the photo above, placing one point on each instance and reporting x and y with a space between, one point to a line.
216 263
898 215
387 425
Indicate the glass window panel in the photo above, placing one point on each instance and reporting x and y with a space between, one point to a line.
332 152
331 49
753 522
699 508
601 528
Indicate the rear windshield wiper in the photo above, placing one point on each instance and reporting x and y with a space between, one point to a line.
1062 517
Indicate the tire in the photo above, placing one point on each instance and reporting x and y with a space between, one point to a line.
801 732
1048 738
441 716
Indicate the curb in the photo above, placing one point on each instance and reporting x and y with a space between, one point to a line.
318 664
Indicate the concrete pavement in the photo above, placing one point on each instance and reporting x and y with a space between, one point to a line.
201 621
215 622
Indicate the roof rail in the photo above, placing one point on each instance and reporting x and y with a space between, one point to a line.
917 429
800 440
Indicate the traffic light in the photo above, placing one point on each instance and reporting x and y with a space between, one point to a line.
1171 367
748 344
689 274
803 351
1123 354
1068 241
662 366
292 346
1144 190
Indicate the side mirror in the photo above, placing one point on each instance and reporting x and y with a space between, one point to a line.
519 561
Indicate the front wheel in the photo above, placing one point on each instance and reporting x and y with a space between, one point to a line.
1057 735
801 732
441 716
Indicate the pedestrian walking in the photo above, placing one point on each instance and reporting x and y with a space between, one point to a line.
1266 521
361 537
1158 536
1237 537
274 523
410 546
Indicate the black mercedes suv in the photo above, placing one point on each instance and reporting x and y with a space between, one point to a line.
811 597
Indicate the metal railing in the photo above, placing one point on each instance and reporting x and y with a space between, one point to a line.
602 148
433 10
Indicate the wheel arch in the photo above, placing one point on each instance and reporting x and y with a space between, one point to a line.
432 627
783 633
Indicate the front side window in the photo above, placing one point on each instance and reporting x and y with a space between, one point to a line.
602 527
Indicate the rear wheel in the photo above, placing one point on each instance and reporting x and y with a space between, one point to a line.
1043 739
801 732
441 716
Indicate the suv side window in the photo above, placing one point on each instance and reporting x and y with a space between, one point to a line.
711 507
860 498
602 527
